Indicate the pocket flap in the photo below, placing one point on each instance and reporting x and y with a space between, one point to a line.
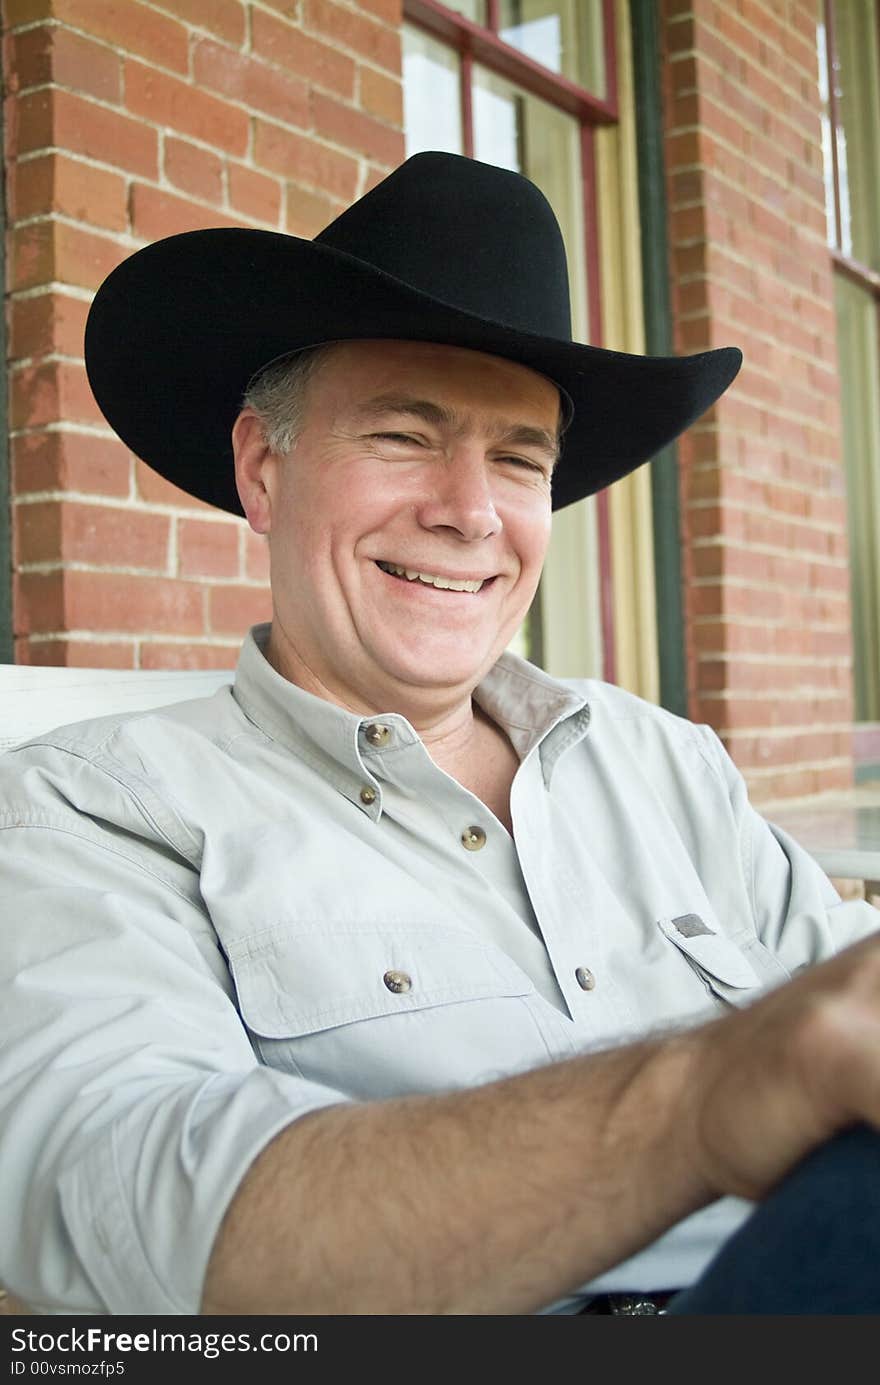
715 955
298 984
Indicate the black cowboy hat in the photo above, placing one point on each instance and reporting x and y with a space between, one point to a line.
444 250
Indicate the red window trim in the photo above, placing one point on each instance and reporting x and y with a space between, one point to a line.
860 273
486 47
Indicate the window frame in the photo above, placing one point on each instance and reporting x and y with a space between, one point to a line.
478 43
866 735
854 269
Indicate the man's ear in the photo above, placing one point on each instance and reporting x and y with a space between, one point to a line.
255 466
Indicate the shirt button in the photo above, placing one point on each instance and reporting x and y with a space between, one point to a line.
473 838
368 795
585 978
397 981
377 735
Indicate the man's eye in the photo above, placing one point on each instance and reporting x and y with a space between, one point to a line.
395 437
524 462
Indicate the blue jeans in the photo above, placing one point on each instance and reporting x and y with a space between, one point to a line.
811 1246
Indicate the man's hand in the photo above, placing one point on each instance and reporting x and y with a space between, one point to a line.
777 1079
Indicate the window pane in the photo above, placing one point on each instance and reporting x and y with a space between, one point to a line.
857 340
827 133
518 131
431 94
564 35
523 133
471 9
857 79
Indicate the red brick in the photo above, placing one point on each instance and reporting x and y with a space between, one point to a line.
38 56
98 534
71 122
50 322
82 257
70 461
225 18
27 61
256 84
354 130
207 549
132 27
32 255
155 214
308 212
164 100
348 30
17 12
380 95
154 654
193 169
108 601
256 195
50 392
36 534
57 183
233 610
75 653
391 11
304 160
38 602
156 490
283 43
86 67
783 749
29 187
684 148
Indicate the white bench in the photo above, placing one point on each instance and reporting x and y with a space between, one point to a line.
35 699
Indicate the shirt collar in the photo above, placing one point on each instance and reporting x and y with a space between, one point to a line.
535 710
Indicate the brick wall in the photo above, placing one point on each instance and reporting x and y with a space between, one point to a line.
763 503
125 123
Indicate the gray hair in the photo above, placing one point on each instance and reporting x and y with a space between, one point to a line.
277 395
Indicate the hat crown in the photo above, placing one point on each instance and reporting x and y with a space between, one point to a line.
467 233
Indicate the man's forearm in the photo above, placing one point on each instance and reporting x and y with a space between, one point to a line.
494 1200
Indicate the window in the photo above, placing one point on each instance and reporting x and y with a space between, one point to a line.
849 65
531 85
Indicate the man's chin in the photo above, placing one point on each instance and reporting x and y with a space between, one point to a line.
448 674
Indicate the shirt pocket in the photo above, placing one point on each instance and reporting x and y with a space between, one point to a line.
385 1012
736 970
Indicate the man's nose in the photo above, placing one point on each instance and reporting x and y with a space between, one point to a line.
461 497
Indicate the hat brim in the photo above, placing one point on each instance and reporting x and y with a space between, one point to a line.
178 330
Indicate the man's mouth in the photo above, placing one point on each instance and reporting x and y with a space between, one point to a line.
431 579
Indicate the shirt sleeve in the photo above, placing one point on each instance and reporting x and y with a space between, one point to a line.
798 913
131 1100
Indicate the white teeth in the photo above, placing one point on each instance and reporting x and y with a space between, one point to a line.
429 579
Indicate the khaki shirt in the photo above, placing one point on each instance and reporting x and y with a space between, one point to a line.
218 916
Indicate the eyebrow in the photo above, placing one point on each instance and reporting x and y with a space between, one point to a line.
515 434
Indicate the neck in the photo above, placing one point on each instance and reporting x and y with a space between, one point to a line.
459 736
443 717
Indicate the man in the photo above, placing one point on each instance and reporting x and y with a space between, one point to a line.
399 977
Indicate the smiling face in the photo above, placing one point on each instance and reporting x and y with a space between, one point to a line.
409 523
